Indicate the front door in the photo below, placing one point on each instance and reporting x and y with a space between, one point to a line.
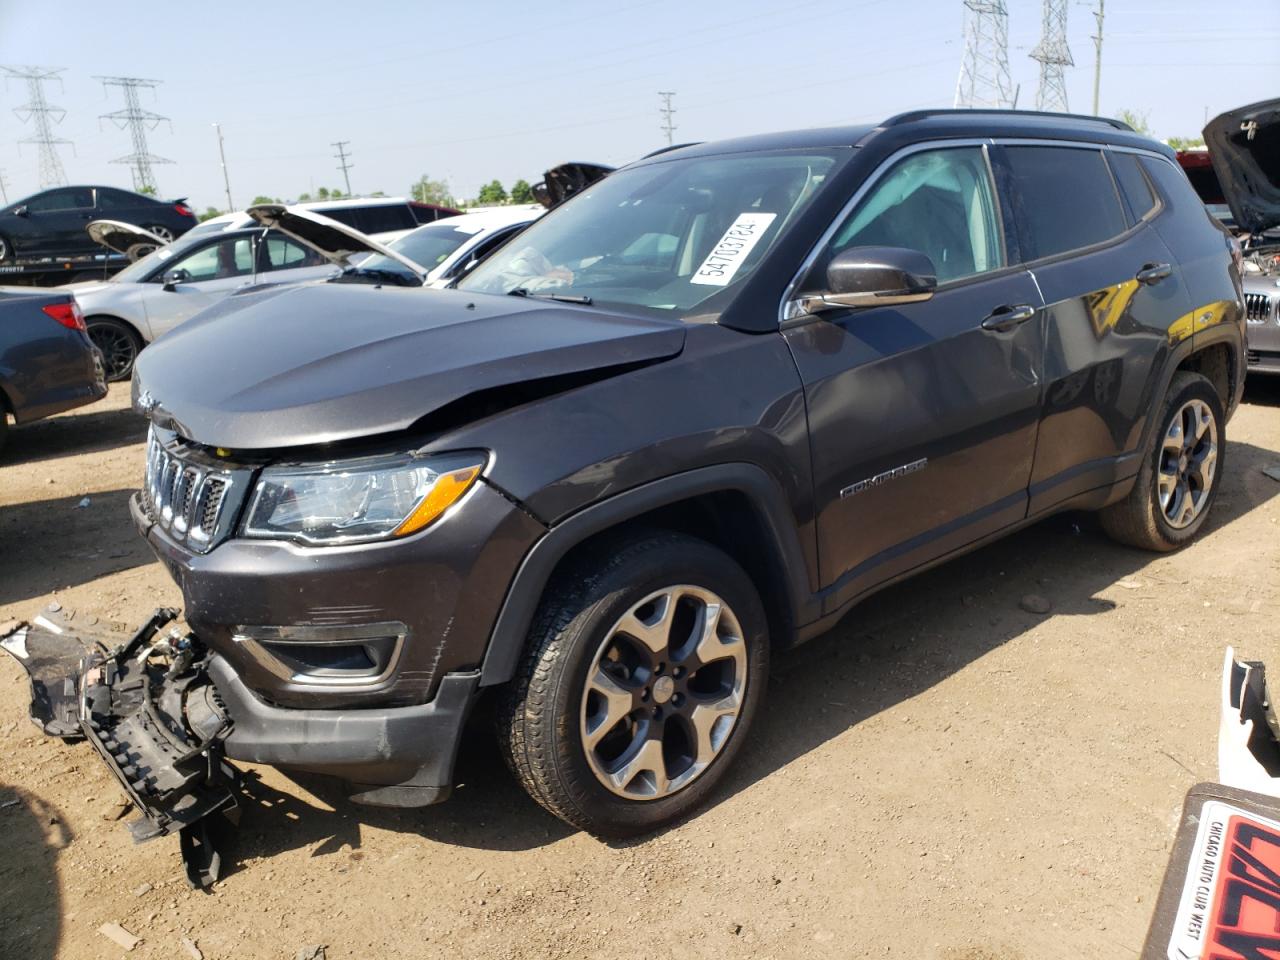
202 277
922 417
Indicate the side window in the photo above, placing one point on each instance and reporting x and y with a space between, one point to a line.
939 202
284 254
218 261
1067 199
114 199
72 198
386 217
1133 184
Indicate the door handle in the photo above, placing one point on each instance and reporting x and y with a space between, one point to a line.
1003 319
1154 273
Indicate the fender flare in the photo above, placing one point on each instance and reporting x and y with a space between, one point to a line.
507 640
1191 345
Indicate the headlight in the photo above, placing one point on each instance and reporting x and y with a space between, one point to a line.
357 500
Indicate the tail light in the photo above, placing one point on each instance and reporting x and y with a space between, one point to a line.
183 210
67 314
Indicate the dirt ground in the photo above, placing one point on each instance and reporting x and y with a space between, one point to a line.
945 775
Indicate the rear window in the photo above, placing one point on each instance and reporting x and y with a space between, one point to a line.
1067 199
1133 184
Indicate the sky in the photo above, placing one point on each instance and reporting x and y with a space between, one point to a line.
469 92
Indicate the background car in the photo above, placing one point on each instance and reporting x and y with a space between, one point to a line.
173 283
1235 176
51 223
383 218
452 247
47 362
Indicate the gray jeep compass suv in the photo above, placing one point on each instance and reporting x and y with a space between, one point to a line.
689 418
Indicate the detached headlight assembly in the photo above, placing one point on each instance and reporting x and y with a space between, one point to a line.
358 500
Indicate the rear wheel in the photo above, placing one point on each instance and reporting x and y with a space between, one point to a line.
164 233
645 668
1178 481
119 345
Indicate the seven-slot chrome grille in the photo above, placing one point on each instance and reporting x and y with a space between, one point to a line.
192 499
1257 308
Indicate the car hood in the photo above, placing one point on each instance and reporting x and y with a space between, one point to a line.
1245 146
134 242
560 183
332 362
334 241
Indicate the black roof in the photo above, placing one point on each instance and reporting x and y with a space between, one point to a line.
905 128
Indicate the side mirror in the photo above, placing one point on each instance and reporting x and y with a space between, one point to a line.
175 277
874 277
21 211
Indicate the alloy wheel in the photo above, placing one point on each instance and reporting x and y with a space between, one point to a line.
663 693
118 348
164 233
1188 459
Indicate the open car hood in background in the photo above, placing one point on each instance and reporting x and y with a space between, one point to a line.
1245 146
560 183
120 237
334 241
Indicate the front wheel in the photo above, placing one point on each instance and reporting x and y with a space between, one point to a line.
645 668
119 344
1179 477
6 250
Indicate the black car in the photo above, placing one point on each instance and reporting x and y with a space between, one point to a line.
52 223
47 362
685 420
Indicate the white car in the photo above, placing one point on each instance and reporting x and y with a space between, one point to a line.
383 218
174 282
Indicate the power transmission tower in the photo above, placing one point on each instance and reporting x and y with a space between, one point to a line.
1054 55
984 72
342 157
667 111
4 189
138 121
1097 51
38 111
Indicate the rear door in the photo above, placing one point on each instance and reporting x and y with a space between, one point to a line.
206 274
922 421
1112 291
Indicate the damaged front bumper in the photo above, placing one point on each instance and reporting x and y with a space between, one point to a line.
150 710
167 714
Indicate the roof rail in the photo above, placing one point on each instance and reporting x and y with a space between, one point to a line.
914 115
669 147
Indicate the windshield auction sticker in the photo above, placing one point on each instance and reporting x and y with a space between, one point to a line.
1230 905
727 256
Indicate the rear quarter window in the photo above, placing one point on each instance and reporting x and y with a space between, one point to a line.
1133 184
385 218
1066 199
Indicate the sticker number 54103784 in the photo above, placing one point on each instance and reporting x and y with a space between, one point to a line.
726 257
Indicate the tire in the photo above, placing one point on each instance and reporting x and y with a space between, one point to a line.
6 250
1191 469
164 233
119 343
4 425
592 761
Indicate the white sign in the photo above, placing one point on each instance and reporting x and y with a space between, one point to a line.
727 256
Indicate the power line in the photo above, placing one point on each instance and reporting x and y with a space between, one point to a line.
984 71
138 121
1098 15
341 156
1054 56
39 112
667 111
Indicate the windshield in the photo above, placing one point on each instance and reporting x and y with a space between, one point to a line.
140 269
665 236
430 246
